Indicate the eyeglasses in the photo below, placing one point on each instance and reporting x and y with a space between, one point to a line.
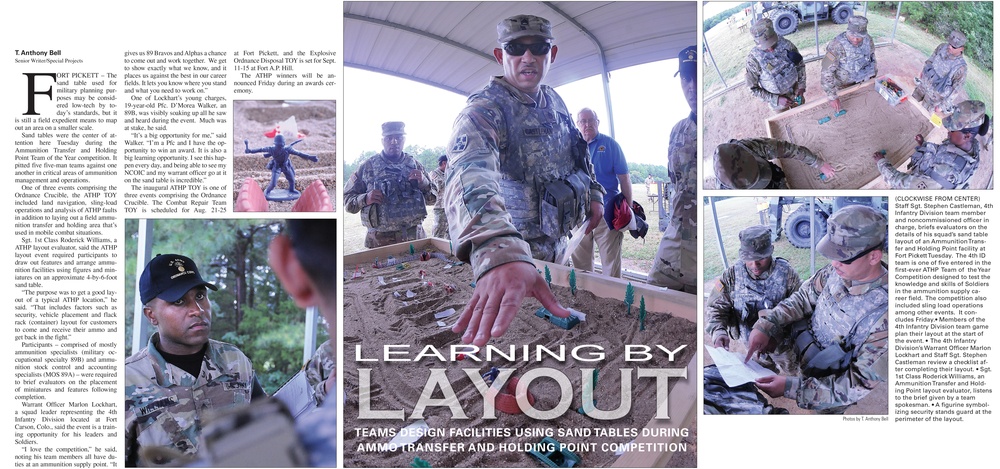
537 48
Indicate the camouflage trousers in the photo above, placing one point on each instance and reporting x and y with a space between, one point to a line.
609 246
675 264
376 239
440 224
931 99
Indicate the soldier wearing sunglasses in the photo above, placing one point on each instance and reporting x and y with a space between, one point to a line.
519 180
838 319
949 164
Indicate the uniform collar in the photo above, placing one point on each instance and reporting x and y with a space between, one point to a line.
522 97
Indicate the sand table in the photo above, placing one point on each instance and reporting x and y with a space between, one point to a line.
401 312
316 119
847 142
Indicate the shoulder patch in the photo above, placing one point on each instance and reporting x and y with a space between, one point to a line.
460 144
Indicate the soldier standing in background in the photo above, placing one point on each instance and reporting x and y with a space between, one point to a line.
390 190
676 263
440 217
775 72
838 318
520 180
943 75
759 281
850 59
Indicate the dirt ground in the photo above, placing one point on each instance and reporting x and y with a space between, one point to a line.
316 119
737 114
400 309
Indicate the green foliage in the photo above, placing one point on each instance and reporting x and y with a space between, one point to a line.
548 276
572 281
638 171
250 309
975 19
642 313
714 20
629 297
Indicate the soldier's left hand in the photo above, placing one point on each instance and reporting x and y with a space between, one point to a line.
416 175
827 170
773 386
877 156
596 216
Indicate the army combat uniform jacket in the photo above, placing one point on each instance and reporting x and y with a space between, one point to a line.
506 147
397 219
934 166
845 65
835 306
166 406
943 75
780 72
320 367
440 219
676 263
737 289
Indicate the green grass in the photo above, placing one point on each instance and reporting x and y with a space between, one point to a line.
730 48
636 254
735 214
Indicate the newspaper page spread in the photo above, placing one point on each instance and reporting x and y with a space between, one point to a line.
123 115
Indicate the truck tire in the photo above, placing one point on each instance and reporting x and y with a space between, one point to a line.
797 228
785 22
841 14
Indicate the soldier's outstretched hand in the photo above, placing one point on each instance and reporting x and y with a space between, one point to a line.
835 104
497 298
920 139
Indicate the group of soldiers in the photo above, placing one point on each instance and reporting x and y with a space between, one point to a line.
775 73
828 336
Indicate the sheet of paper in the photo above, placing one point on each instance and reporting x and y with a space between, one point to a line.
732 368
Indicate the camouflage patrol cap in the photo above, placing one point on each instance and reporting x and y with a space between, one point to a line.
169 277
393 128
520 26
763 33
755 243
738 169
851 231
968 115
956 39
857 26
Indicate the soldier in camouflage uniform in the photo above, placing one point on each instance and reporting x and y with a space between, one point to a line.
676 263
390 190
948 165
761 281
320 370
943 74
745 164
776 72
440 218
182 376
520 179
850 59
842 312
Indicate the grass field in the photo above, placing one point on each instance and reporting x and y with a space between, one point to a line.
730 48
637 255
734 214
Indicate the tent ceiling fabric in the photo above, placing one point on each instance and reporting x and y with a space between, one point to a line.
450 44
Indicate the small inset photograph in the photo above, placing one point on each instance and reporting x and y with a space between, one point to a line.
284 156
231 343
769 263
848 95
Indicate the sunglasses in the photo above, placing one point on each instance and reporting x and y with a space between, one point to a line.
862 254
537 48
